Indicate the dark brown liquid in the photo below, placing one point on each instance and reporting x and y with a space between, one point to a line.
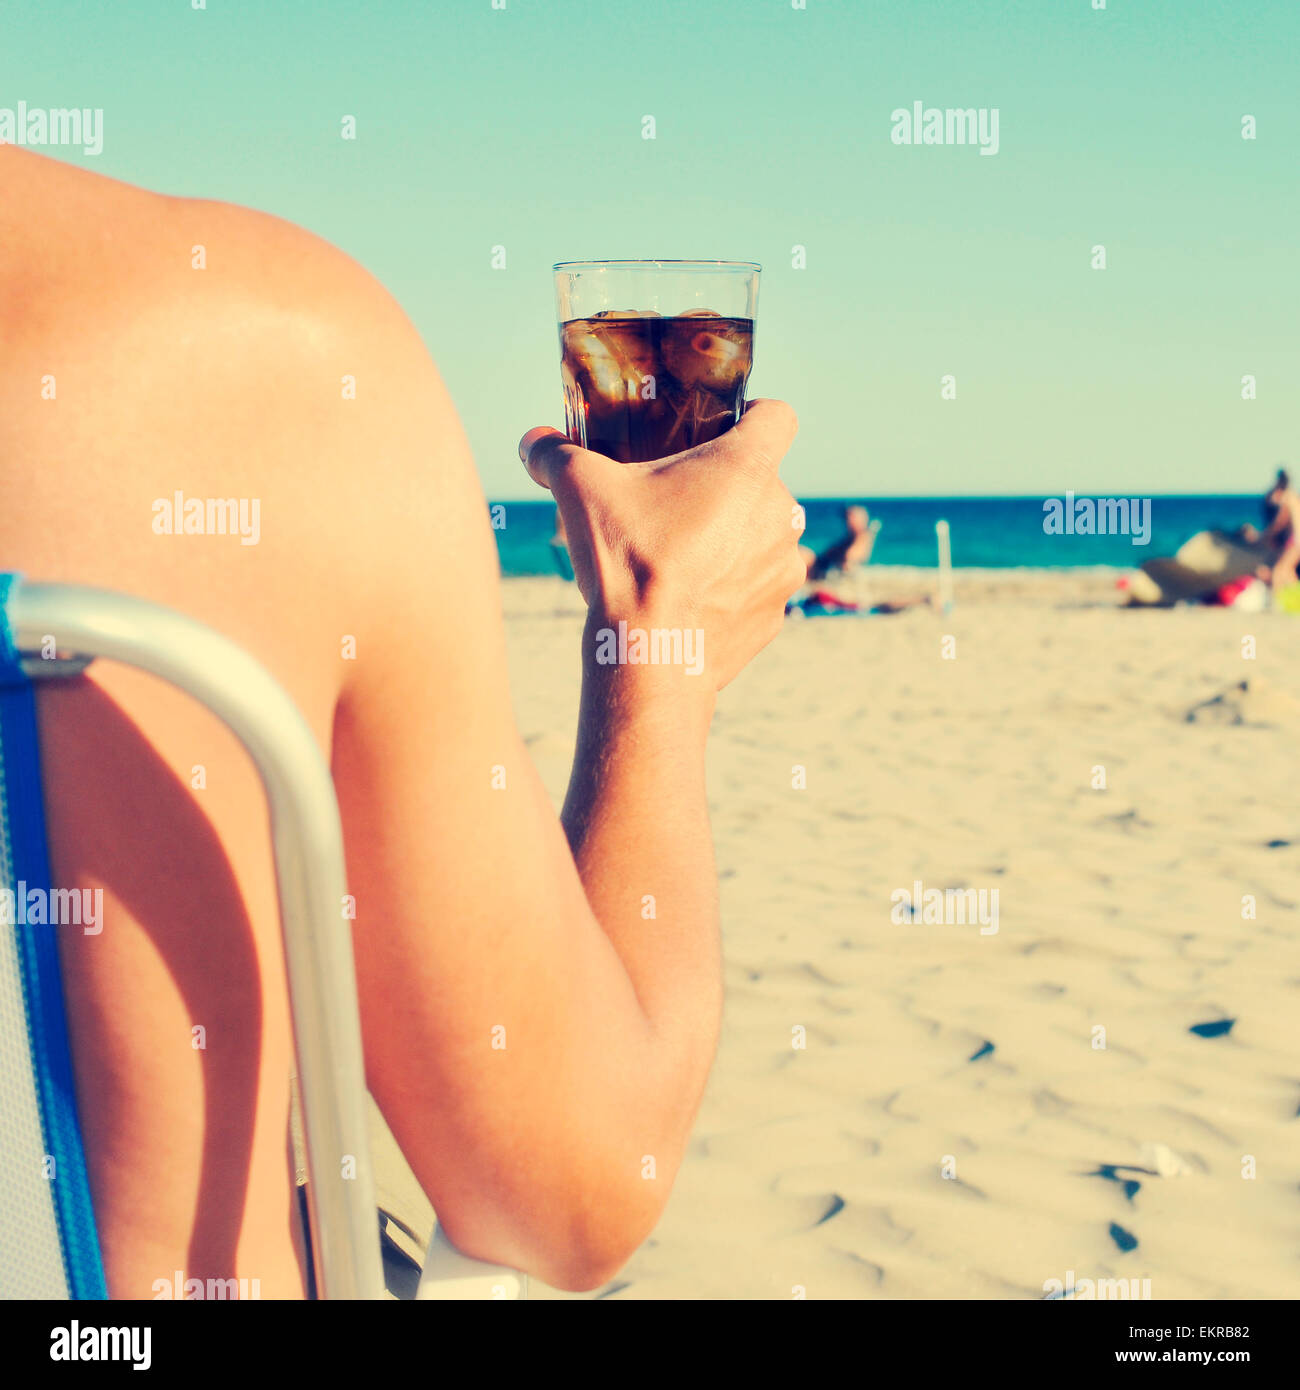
642 387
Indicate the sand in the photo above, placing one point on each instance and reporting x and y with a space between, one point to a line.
819 1170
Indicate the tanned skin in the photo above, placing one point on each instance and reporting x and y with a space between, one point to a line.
477 907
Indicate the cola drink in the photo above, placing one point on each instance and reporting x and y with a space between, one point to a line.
639 385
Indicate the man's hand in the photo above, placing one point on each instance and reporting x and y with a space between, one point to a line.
707 539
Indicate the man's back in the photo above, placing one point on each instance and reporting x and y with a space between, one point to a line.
159 353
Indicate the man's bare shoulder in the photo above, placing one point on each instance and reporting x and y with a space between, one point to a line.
226 319
156 344
88 255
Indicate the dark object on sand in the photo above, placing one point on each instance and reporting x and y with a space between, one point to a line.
836 1206
1255 702
1111 1172
983 1052
1126 1240
1217 1029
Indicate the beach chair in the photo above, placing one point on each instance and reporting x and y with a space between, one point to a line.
48 1242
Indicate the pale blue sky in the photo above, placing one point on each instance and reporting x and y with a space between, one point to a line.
522 127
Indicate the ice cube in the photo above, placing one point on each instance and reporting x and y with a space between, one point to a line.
698 357
617 361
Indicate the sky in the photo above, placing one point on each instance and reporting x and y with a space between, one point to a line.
519 124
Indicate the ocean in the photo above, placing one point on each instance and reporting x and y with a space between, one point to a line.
987 532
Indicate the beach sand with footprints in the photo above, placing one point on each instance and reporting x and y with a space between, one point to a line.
1053 1068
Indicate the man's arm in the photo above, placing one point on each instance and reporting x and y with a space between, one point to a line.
537 1030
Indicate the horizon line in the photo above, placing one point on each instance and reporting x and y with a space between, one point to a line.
971 497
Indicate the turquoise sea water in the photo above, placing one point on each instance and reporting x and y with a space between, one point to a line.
987 532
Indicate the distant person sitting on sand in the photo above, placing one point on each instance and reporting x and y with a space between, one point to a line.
1281 531
843 559
850 551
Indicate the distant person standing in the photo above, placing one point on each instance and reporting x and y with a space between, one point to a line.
1282 530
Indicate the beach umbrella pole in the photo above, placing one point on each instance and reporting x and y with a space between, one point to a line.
945 566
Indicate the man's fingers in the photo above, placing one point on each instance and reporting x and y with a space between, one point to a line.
540 450
549 456
766 430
